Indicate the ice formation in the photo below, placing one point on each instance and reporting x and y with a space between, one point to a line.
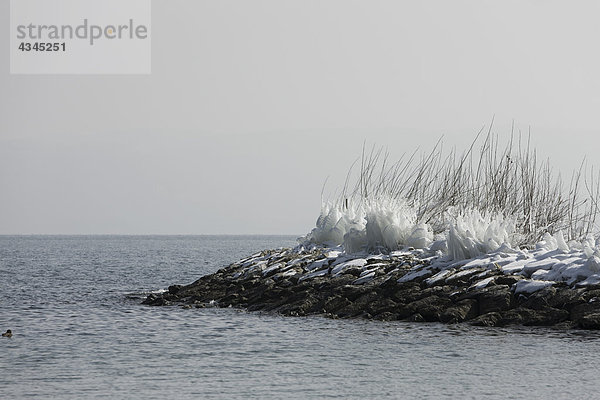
384 224
472 234
471 243
390 224
498 209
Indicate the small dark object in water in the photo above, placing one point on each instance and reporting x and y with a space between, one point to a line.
8 333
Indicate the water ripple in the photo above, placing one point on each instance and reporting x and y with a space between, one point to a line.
80 332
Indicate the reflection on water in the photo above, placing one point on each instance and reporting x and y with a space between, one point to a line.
80 332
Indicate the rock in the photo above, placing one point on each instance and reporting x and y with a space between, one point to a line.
173 289
538 300
461 311
590 321
489 319
352 292
271 281
430 308
463 277
493 299
415 318
156 300
545 316
584 314
335 303
386 316
352 271
358 306
591 295
381 306
407 293
507 280
564 298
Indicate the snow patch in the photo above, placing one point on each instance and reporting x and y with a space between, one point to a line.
482 283
530 286
338 269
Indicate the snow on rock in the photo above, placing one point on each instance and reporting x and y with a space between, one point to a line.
252 260
482 283
416 272
593 264
478 249
333 254
533 266
467 273
372 266
364 279
530 286
591 281
259 266
338 269
317 264
289 273
368 271
315 274
440 276
272 268
514 266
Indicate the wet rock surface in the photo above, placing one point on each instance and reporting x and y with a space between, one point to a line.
398 286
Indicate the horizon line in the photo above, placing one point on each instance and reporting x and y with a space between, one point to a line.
149 234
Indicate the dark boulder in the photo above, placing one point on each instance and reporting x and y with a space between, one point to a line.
492 299
462 311
590 321
489 319
430 308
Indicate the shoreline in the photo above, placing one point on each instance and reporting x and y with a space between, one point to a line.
406 285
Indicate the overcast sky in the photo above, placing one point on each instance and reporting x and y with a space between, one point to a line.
252 104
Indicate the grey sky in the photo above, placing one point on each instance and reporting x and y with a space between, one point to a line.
252 104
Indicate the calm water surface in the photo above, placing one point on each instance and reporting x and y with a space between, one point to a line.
73 303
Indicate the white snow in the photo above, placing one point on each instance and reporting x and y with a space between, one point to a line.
440 276
530 286
258 266
317 264
338 269
372 266
290 272
368 271
482 283
272 268
466 272
415 273
333 254
593 264
514 266
315 274
364 279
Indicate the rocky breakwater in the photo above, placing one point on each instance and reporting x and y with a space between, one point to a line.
495 290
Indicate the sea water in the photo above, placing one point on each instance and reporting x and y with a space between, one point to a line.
73 304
